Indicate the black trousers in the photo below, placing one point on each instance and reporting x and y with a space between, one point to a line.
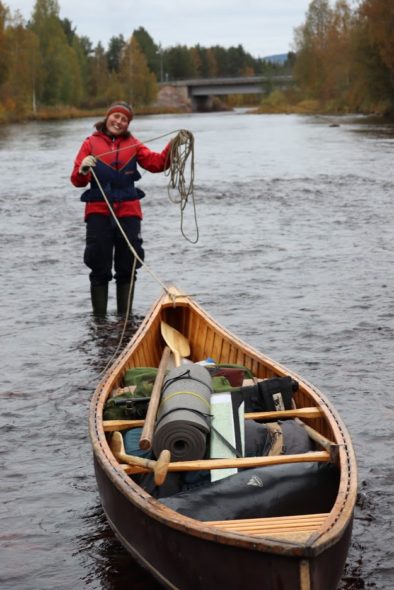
106 246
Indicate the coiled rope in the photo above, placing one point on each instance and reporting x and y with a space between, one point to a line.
182 147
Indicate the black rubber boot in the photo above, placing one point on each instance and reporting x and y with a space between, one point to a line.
122 297
99 296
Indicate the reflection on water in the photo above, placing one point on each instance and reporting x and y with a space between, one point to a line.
295 256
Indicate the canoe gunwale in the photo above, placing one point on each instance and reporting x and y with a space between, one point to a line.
328 534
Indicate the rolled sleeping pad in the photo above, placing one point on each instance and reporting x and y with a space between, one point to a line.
182 424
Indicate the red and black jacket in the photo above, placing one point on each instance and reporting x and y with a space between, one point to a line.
116 170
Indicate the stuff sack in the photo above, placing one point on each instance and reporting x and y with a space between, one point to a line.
132 404
126 407
277 490
269 395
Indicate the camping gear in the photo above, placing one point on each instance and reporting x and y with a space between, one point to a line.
283 521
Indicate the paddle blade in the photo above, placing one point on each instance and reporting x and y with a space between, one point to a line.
176 341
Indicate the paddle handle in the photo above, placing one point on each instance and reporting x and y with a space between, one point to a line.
159 467
147 431
321 440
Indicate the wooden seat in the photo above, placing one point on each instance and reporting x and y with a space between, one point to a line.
298 527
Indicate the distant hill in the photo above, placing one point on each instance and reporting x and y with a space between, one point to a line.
279 58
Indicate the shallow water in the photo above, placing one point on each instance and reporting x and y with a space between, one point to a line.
295 255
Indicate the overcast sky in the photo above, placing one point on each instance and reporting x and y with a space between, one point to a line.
262 27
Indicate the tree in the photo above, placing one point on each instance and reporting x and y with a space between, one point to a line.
372 86
69 30
179 63
58 82
98 77
22 50
4 66
209 66
115 51
311 41
151 50
138 83
380 27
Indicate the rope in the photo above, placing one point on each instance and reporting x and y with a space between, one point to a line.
130 246
182 147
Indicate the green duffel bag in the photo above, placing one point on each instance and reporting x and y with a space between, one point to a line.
126 407
142 378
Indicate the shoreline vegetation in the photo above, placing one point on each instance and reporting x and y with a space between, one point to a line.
274 104
62 113
342 63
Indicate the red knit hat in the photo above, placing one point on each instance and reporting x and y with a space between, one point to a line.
120 107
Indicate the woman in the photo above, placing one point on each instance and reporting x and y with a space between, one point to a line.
113 153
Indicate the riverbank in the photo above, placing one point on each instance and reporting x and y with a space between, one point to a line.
279 102
64 113
275 104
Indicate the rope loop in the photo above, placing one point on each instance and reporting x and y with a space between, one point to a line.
182 148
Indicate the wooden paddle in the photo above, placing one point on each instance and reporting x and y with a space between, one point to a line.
177 342
159 467
147 432
242 463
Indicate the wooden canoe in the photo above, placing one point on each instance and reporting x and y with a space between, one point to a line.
305 552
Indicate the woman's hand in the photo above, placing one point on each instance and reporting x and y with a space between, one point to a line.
86 164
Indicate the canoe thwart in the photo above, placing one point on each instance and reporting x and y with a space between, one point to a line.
111 425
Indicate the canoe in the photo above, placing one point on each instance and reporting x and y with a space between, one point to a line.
285 550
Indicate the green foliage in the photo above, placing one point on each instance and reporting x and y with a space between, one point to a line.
151 51
343 60
138 82
114 53
179 63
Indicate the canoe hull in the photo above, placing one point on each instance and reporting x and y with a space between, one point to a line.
179 560
189 554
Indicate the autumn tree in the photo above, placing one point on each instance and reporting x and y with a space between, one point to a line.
380 27
139 85
23 61
372 87
311 40
98 77
4 66
59 82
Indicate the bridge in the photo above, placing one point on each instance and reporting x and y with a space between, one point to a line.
200 92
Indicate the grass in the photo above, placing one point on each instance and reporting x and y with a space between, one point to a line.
65 112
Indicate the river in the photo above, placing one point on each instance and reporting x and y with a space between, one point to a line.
295 255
